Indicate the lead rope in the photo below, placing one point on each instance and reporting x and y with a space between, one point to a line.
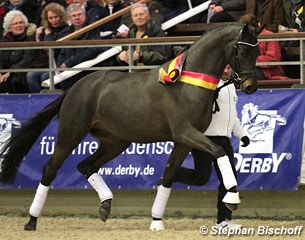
233 79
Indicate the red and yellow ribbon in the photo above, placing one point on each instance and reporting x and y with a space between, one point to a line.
194 78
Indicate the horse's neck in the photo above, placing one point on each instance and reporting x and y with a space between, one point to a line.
205 61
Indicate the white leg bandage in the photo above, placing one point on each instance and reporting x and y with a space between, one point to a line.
98 183
160 202
227 174
39 200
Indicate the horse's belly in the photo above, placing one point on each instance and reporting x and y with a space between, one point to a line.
135 130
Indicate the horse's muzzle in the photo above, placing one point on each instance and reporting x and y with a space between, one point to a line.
249 86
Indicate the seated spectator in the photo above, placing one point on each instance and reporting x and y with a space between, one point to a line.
104 9
269 51
69 57
155 13
269 13
295 15
3 10
30 9
86 4
143 27
226 10
54 20
17 29
45 3
295 22
173 8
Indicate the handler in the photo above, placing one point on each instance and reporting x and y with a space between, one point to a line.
223 124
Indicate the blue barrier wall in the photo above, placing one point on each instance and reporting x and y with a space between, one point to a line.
273 120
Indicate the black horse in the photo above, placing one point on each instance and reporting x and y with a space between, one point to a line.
119 108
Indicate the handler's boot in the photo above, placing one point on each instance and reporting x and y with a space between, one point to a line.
104 210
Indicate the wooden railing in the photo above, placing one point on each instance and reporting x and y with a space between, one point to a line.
183 40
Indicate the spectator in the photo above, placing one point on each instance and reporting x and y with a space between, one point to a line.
223 124
143 27
86 4
173 8
154 8
295 16
269 51
104 9
54 20
17 29
269 13
226 10
3 10
45 3
69 57
30 9
295 19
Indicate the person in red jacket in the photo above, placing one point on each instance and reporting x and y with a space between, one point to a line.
269 51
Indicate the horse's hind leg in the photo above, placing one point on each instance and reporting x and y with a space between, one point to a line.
68 139
175 160
90 166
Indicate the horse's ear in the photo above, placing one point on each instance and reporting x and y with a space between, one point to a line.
245 28
259 29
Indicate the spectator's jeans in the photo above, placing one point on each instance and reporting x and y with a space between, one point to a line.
34 80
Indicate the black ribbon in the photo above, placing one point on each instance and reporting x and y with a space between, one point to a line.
232 79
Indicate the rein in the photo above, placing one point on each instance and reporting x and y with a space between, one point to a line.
231 80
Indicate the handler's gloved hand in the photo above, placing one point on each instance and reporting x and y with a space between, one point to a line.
245 140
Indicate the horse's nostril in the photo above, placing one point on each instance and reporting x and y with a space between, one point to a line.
249 86
250 89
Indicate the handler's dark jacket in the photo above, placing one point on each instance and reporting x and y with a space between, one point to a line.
150 54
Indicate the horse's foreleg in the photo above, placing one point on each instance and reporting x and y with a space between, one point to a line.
90 166
175 160
194 138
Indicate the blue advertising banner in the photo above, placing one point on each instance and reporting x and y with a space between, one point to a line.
273 120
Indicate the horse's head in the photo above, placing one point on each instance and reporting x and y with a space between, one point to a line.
244 60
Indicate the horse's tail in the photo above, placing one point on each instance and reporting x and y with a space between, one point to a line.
24 138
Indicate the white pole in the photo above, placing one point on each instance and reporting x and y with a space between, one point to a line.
190 13
66 74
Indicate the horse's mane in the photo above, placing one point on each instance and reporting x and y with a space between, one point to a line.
215 32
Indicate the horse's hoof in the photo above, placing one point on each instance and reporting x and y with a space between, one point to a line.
157 225
231 200
232 207
104 210
30 227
